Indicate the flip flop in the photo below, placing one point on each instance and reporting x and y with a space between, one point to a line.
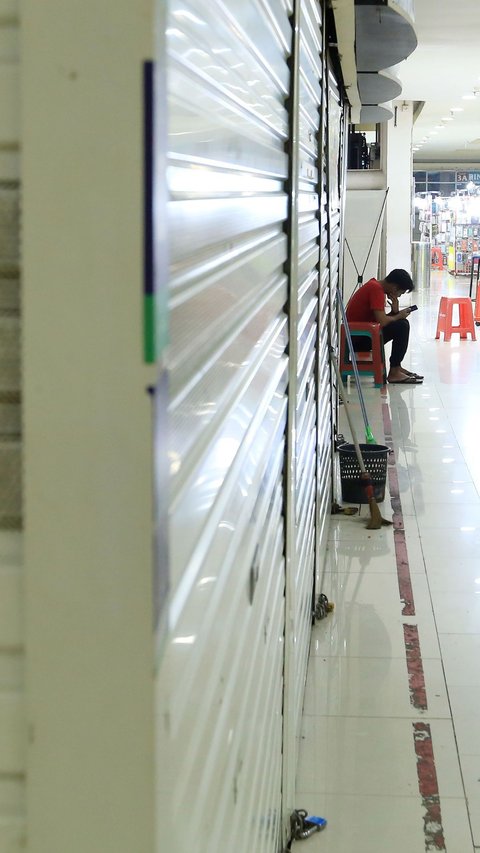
409 373
409 380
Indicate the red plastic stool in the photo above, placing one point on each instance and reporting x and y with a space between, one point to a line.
373 362
445 318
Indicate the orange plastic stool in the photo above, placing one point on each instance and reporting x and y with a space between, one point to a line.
373 362
445 318
437 258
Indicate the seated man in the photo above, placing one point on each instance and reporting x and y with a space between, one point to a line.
367 305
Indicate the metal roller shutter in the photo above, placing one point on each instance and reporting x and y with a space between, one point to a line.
331 218
12 656
220 672
335 137
334 181
306 101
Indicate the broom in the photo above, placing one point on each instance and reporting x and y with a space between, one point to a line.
376 520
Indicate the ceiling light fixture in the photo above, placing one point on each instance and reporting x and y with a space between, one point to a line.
456 110
447 118
470 97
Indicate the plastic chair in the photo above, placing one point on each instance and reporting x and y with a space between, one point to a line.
372 362
445 318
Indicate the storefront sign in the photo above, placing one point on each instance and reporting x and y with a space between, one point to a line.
465 177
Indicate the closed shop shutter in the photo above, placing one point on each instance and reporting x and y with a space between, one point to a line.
302 492
12 658
253 248
220 670
331 217
334 181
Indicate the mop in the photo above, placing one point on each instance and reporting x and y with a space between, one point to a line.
376 520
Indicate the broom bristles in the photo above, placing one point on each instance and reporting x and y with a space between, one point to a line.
376 519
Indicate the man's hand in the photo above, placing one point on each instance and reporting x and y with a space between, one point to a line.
384 319
393 302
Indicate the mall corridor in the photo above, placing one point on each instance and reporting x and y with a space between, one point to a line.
393 686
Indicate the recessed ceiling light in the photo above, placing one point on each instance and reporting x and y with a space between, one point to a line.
439 127
434 133
457 110
468 97
447 118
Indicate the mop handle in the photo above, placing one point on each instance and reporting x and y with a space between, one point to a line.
349 418
352 356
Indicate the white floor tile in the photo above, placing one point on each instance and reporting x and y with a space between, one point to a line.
456 825
446 759
427 496
436 516
346 755
375 824
461 659
438 473
461 576
354 527
471 778
366 824
464 701
346 557
457 612
448 545
366 620
416 558
371 687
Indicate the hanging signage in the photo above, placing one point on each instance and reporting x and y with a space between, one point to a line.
465 177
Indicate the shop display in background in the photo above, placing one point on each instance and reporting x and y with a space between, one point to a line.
451 223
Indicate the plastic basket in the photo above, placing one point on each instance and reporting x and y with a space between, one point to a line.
375 459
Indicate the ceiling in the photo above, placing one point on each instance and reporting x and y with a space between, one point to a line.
443 68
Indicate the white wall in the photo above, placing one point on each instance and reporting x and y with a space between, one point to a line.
399 181
87 428
364 214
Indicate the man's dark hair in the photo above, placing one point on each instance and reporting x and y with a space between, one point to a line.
401 278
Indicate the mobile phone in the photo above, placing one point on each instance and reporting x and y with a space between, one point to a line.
413 307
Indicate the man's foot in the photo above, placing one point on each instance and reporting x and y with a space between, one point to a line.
409 373
399 376
407 380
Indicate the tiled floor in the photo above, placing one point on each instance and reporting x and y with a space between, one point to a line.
390 749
